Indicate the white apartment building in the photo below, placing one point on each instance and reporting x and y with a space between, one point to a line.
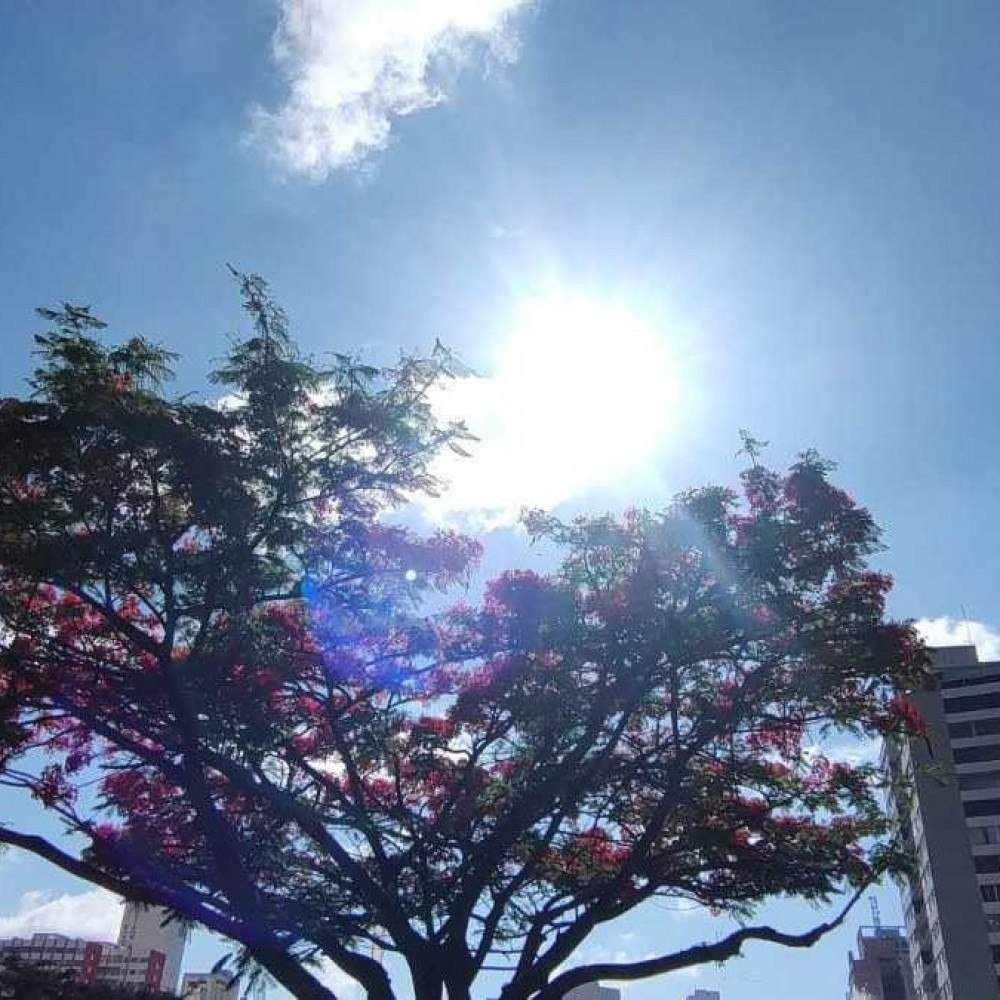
144 930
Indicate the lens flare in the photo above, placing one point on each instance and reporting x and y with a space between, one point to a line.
582 394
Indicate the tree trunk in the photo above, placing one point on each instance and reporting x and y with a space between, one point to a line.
287 971
427 986
459 989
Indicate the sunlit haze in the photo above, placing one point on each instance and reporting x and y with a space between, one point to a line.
583 392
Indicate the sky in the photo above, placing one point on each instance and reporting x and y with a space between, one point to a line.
646 225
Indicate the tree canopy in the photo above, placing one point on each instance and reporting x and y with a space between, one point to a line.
216 668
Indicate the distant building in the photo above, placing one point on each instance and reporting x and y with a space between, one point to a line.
594 991
947 798
146 956
144 929
881 969
208 986
705 995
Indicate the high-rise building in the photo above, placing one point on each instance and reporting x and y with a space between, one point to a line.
145 929
147 956
705 995
881 968
947 796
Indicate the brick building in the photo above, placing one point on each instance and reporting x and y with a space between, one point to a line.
881 968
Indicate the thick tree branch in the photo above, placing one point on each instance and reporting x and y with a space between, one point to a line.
269 950
719 951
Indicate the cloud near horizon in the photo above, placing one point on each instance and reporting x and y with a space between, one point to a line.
94 915
946 631
353 66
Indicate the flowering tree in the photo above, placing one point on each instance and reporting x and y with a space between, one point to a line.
214 669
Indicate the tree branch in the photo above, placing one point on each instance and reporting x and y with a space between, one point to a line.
270 950
726 948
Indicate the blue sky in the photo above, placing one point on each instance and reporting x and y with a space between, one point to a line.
801 203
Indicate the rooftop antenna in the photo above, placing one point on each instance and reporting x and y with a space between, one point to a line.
968 627
876 915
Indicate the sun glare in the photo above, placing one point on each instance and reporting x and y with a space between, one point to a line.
582 394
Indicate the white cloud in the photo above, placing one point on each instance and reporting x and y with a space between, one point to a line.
94 915
9 857
688 972
855 752
945 631
353 66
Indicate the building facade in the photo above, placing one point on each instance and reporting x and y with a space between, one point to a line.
946 793
881 968
208 986
594 991
144 930
145 956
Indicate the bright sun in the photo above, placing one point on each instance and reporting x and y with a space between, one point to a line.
582 394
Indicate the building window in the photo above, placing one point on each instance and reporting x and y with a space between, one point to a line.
972 702
982 779
976 755
977 727
969 681
982 807
979 835
987 864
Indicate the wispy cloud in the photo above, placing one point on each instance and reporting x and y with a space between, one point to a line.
353 66
945 631
94 915
9 857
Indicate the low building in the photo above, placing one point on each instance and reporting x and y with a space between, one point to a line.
594 991
146 956
705 995
208 986
881 968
